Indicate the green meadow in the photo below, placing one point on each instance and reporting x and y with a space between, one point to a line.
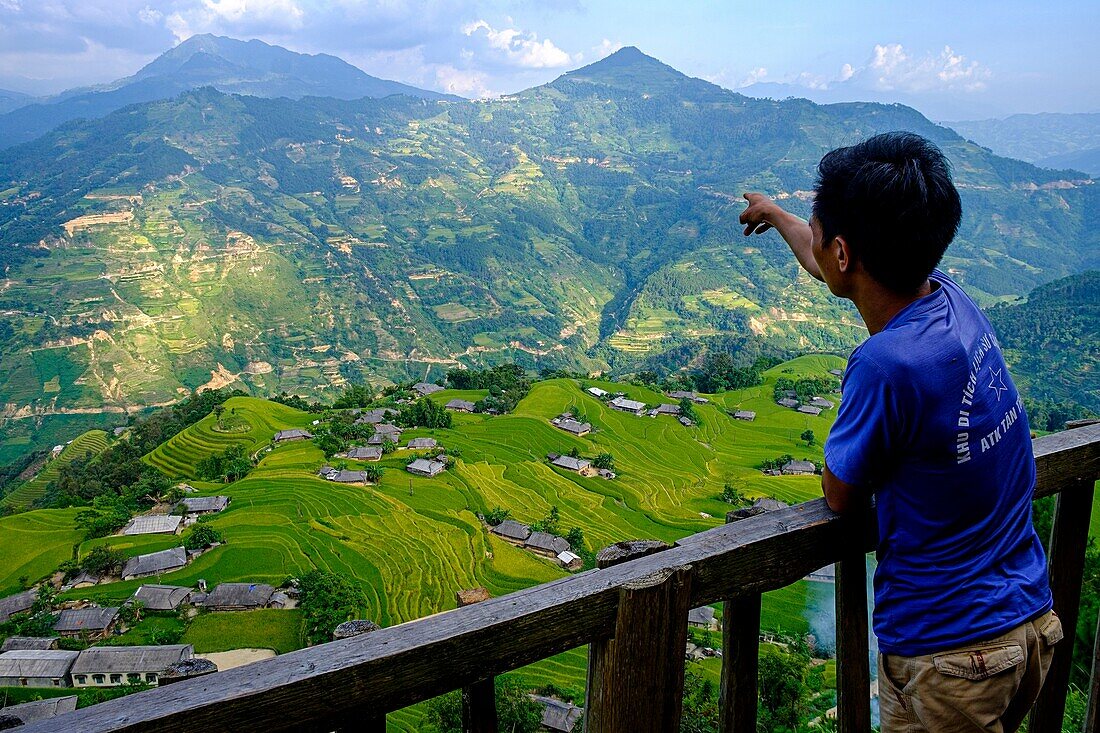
412 542
91 443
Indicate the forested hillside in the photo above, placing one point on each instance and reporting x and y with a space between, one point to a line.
589 223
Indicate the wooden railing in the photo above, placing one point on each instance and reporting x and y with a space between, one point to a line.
632 611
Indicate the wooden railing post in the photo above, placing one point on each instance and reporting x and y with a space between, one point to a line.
1068 541
479 700
636 677
853 672
737 693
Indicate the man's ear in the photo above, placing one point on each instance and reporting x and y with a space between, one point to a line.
844 260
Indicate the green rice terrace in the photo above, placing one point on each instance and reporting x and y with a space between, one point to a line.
411 542
91 443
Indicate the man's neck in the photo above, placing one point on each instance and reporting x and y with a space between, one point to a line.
877 305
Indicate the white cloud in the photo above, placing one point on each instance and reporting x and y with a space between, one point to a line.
891 68
520 48
846 72
236 11
465 83
755 76
606 48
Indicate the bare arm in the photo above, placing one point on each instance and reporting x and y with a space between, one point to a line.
842 497
763 214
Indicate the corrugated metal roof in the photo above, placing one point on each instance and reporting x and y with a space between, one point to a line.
17 603
13 643
161 597
115 659
205 503
36 663
155 562
246 595
153 524
92 618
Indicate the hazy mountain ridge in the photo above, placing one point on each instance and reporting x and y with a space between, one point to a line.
1051 140
232 66
588 223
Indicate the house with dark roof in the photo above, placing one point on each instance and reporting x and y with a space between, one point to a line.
788 403
460 405
384 432
702 618
423 389
809 410
36 668
746 415
161 597
512 531
799 468
426 467
597 392
368 453
821 402
23 643
203 504
558 716
570 424
36 710
239 597
17 603
375 416
421 443
284 436
93 622
113 666
546 544
582 466
668 409
622 404
836 372
154 563
153 524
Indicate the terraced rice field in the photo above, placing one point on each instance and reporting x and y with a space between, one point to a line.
411 542
92 443
32 544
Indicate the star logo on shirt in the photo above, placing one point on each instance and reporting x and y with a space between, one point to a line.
997 383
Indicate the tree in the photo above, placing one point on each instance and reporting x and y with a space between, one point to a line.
808 436
496 515
604 460
687 409
731 495
784 694
575 538
103 560
700 712
373 473
516 711
549 523
202 535
130 613
574 452
327 600
218 411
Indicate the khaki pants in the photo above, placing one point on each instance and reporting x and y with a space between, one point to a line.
986 686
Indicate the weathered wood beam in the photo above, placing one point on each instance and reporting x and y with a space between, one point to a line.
636 678
853 673
1069 539
479 699
737 692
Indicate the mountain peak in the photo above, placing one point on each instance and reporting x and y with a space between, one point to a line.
628 60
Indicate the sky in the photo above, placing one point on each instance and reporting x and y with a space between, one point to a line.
952 60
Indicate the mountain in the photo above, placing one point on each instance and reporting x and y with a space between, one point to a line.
937 105
1051 140
240 67
10 100
1050 341
588 224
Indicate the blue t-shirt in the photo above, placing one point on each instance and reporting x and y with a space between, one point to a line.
932 423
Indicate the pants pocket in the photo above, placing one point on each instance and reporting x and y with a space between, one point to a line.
979 664
1051 630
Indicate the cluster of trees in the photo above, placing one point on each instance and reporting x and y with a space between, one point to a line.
516 711
424 414
327 600
203 534
297 402
335 434
507 385
769 464
108 512
805 388
230 465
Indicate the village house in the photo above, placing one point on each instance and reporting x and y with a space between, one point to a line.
36 668
788 402
605 473
622 404
546 544
155 563
746 415
239 597
426 467
375 416
160 597
421 443
558 716
512 531
153 524
597 392
569 424
368 453
344 476
581 465
809 410
284 436
384 432
685 421
83 579
92 622
799 468
113 666
36 710
24 643
836 372
821 402
460 405
570 560
203 504
694 397
666 410
423 389
18 603
703 618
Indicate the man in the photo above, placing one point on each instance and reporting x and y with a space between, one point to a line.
932 426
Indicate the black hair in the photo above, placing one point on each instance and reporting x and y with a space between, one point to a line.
892 199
